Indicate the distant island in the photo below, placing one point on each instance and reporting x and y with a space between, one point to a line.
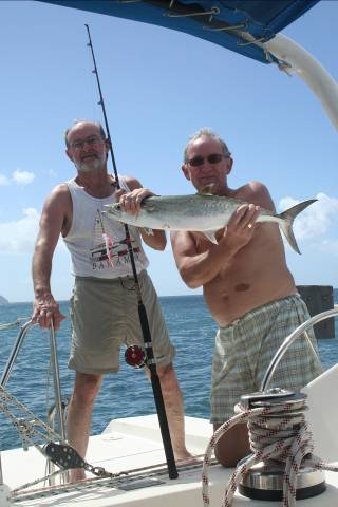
3 301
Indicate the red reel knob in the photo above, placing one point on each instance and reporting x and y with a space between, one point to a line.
135 356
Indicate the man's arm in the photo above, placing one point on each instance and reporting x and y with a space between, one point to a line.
198 268
52 222
131 202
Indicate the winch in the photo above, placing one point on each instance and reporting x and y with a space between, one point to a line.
279 434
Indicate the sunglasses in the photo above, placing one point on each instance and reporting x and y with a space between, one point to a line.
213 158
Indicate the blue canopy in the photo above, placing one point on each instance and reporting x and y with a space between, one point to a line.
233 24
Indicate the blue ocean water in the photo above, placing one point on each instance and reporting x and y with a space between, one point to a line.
127 393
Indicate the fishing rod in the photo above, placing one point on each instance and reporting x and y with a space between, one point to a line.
142 313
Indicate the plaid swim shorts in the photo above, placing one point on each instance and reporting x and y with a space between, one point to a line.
244 349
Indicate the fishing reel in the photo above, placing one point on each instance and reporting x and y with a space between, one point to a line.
135 356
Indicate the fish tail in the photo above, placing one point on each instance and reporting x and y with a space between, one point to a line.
287 218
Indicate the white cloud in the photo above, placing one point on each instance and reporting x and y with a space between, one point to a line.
23 177
3 180
317 220
20 236
330 247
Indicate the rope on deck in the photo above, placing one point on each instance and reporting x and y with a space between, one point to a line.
287 441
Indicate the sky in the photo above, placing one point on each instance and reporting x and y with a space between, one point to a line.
159 87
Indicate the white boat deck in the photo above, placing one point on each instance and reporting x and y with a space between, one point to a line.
136 442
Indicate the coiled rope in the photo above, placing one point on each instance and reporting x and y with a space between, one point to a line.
278 434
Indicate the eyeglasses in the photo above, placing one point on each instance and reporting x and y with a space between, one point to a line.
213 158
91 141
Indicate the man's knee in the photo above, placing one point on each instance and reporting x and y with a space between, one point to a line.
167 377
232 446
86 387
166 373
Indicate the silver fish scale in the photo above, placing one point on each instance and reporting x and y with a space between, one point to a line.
201 212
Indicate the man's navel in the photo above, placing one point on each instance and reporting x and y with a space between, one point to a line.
242 287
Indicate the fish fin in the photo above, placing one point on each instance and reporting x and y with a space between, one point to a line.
148 207
210 235
287 218
206 190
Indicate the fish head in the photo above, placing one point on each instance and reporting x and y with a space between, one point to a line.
115 211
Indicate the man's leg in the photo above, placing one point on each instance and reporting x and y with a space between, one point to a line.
233 446
173 400
79 415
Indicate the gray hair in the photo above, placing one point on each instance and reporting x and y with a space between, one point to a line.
102 132
205 132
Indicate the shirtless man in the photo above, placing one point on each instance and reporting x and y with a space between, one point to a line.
248 289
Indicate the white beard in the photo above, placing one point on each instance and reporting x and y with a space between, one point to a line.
93 165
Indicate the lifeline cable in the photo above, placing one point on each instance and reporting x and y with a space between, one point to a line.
155 383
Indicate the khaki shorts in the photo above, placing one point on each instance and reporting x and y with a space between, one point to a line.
243 351
105 315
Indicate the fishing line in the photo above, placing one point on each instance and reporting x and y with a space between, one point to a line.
155 383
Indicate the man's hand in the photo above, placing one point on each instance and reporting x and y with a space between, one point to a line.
45 311
241 226
131 201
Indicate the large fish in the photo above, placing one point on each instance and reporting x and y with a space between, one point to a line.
200 212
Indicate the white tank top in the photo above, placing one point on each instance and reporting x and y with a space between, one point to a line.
97 243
